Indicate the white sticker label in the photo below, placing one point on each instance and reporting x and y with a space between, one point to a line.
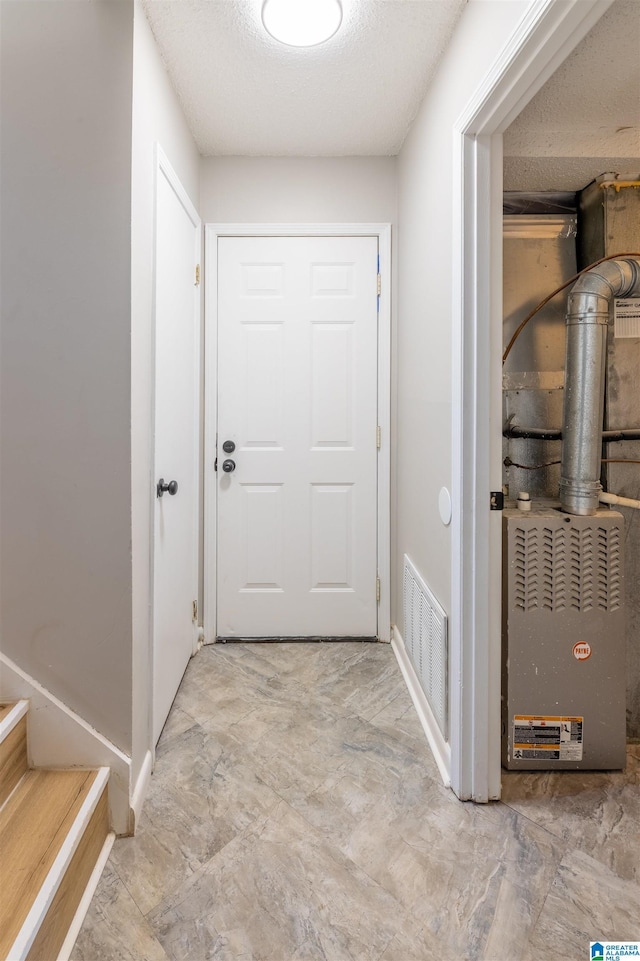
626 317
538 738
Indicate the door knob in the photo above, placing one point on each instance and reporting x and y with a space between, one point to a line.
228 447
171 487
228 465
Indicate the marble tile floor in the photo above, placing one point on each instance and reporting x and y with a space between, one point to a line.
296 814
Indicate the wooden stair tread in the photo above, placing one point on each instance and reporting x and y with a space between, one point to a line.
34 823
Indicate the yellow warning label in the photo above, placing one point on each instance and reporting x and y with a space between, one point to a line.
544 717
547 737
541 747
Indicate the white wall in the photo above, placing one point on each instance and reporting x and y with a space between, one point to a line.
425 294
298 190
66 300
157 117
78 175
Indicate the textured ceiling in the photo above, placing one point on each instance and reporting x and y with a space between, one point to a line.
244 93
586 119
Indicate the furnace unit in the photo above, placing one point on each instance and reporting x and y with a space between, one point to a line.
564 618
563 629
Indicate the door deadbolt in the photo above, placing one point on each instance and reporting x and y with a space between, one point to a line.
228 447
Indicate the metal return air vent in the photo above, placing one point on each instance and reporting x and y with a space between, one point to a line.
426 640
559 568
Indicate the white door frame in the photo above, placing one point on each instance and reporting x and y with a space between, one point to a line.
212 233
548 32
164 169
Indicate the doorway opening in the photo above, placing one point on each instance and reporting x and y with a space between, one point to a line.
297 379
572 197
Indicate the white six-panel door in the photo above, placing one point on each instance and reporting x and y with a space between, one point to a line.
297 396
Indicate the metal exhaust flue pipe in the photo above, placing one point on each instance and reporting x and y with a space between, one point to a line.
586 358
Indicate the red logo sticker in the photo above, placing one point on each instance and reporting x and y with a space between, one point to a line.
582 651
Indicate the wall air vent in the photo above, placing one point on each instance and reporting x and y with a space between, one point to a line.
426 640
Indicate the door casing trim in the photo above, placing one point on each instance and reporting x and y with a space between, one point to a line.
545 36
212 233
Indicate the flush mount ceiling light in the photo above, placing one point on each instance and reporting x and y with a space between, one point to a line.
301 23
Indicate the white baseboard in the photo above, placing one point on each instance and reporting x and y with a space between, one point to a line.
59 738
140 790
439 747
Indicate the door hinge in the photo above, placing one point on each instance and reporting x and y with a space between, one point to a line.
496 501
194 610
197 283
377 590
379 284
378 437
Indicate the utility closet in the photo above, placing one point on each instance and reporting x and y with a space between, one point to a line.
571 476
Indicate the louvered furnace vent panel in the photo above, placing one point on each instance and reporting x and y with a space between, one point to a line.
426 640
563 641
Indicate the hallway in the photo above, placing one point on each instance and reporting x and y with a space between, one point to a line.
296 813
